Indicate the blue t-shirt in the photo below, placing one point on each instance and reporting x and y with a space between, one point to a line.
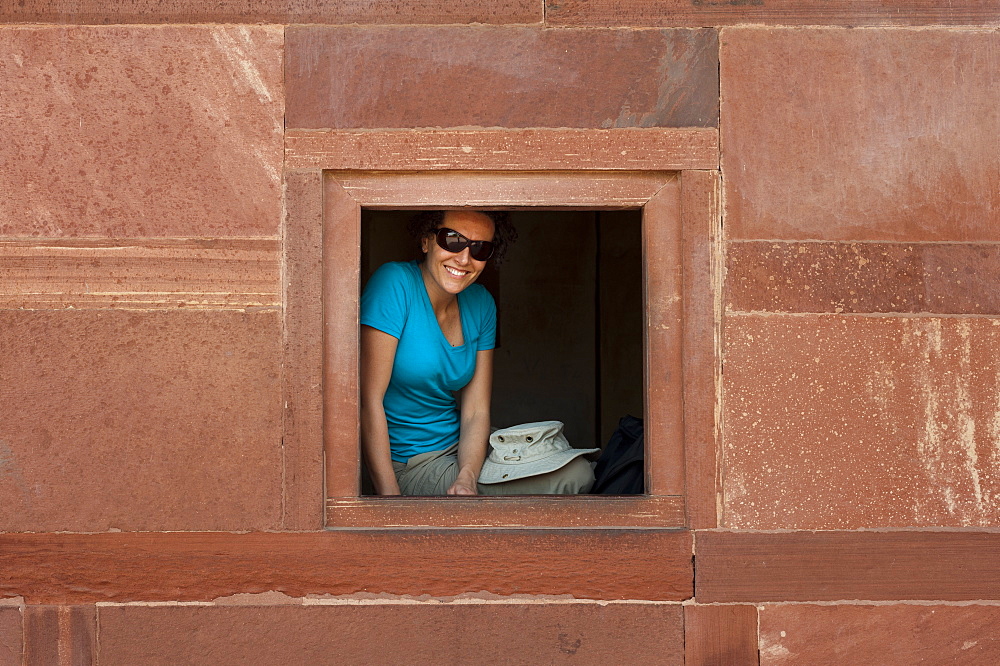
420 408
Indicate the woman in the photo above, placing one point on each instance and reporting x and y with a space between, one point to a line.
427 334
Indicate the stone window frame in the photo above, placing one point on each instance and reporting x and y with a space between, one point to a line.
322 260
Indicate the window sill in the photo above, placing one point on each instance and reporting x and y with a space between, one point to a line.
526 511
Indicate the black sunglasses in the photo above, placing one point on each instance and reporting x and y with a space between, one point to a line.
452 241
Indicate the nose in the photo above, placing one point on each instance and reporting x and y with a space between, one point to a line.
463 257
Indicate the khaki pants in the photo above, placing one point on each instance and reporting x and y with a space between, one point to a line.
433 473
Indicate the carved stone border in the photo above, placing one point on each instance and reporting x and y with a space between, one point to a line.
322 266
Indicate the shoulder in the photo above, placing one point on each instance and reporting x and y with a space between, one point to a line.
391 276
394 270
387 298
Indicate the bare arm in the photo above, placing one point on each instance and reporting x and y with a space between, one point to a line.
378 352
475 424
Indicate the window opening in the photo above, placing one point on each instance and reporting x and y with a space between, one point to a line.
570 316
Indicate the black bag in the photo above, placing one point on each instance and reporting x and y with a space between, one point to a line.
620 469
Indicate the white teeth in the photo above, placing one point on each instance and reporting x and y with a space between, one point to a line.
455 271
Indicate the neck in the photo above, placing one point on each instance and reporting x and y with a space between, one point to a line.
440 299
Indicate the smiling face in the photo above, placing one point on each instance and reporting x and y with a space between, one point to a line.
448 272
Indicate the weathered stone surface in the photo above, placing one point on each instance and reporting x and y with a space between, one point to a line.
81 622
844 422
720 634
785 12
531 149
664 302
891 635
944 278
142 273
41 634
860 134
511 633
436 189
532 511
162 420
703 271
748 566
140 131
60 634
11 640
352 77
302 352
651 564
271 11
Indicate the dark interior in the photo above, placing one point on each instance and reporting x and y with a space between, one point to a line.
569 299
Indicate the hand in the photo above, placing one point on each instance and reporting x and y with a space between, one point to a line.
465 484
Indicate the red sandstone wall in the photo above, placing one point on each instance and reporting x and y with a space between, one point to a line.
141 332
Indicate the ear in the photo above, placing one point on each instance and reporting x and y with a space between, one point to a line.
423 244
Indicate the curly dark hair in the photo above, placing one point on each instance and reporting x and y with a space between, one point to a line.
427 221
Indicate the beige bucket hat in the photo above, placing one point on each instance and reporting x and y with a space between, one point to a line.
528 449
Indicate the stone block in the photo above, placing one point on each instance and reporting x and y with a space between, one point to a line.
891 635
213 273
720 634
526 149
942 278
833 134
787 12
844 422
41 635
141 131
11 635
127 420
302 353
60 634
365 633
747 566
650 564
271 11
449 76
